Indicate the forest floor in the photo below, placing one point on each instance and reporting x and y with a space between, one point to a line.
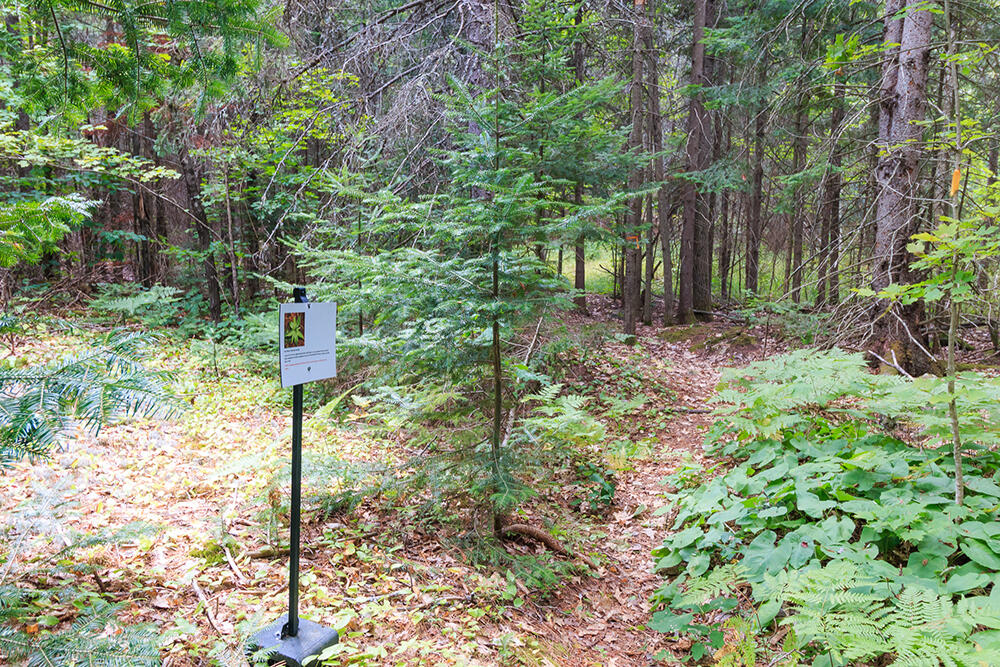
401 592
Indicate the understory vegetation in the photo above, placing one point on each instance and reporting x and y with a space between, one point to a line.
832 514
404 455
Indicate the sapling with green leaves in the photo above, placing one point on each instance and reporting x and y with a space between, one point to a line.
950 257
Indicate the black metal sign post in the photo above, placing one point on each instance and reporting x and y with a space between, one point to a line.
289 640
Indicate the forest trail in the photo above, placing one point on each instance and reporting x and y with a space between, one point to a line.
403 593
605 616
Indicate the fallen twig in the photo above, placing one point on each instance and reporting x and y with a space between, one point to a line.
268 552
725 316
235 568
204 603
893 363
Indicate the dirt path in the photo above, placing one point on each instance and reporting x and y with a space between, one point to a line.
603 618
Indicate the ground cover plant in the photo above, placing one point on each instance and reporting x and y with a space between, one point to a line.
390 547
833 514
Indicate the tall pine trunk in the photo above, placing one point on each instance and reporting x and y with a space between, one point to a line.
579 249
798 214
192 183
754 222
829 283
663 212
631 279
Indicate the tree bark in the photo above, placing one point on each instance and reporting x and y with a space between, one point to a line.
697 119
902 107
798 214
650 257
829 282
662 208
706 201
192 183
633 222
725 247
579 250
142 207
754 214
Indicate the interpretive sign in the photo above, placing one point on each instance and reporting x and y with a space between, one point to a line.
307 338
308 350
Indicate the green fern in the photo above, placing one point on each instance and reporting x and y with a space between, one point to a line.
562 421
849 616
766 398
132 299
716 582
742 652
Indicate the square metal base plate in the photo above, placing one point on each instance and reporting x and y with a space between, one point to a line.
310 641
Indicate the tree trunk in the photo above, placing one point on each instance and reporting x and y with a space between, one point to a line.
754 214
697 119
234 265
142 213
708 152
579 254
192 183
829 283
650 256
798 215
662 208
902 107
633 222
991 322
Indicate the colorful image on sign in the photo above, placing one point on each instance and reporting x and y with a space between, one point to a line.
295 329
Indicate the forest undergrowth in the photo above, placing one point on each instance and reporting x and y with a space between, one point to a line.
163 537
175 527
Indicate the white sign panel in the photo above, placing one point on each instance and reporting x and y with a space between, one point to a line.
307 342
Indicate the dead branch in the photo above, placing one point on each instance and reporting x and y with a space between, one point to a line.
547 539
268 552
232 565
892 364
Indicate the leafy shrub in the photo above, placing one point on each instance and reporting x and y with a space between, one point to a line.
816 482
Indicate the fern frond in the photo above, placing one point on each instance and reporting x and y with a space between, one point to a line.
714 583
96 638
857 621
